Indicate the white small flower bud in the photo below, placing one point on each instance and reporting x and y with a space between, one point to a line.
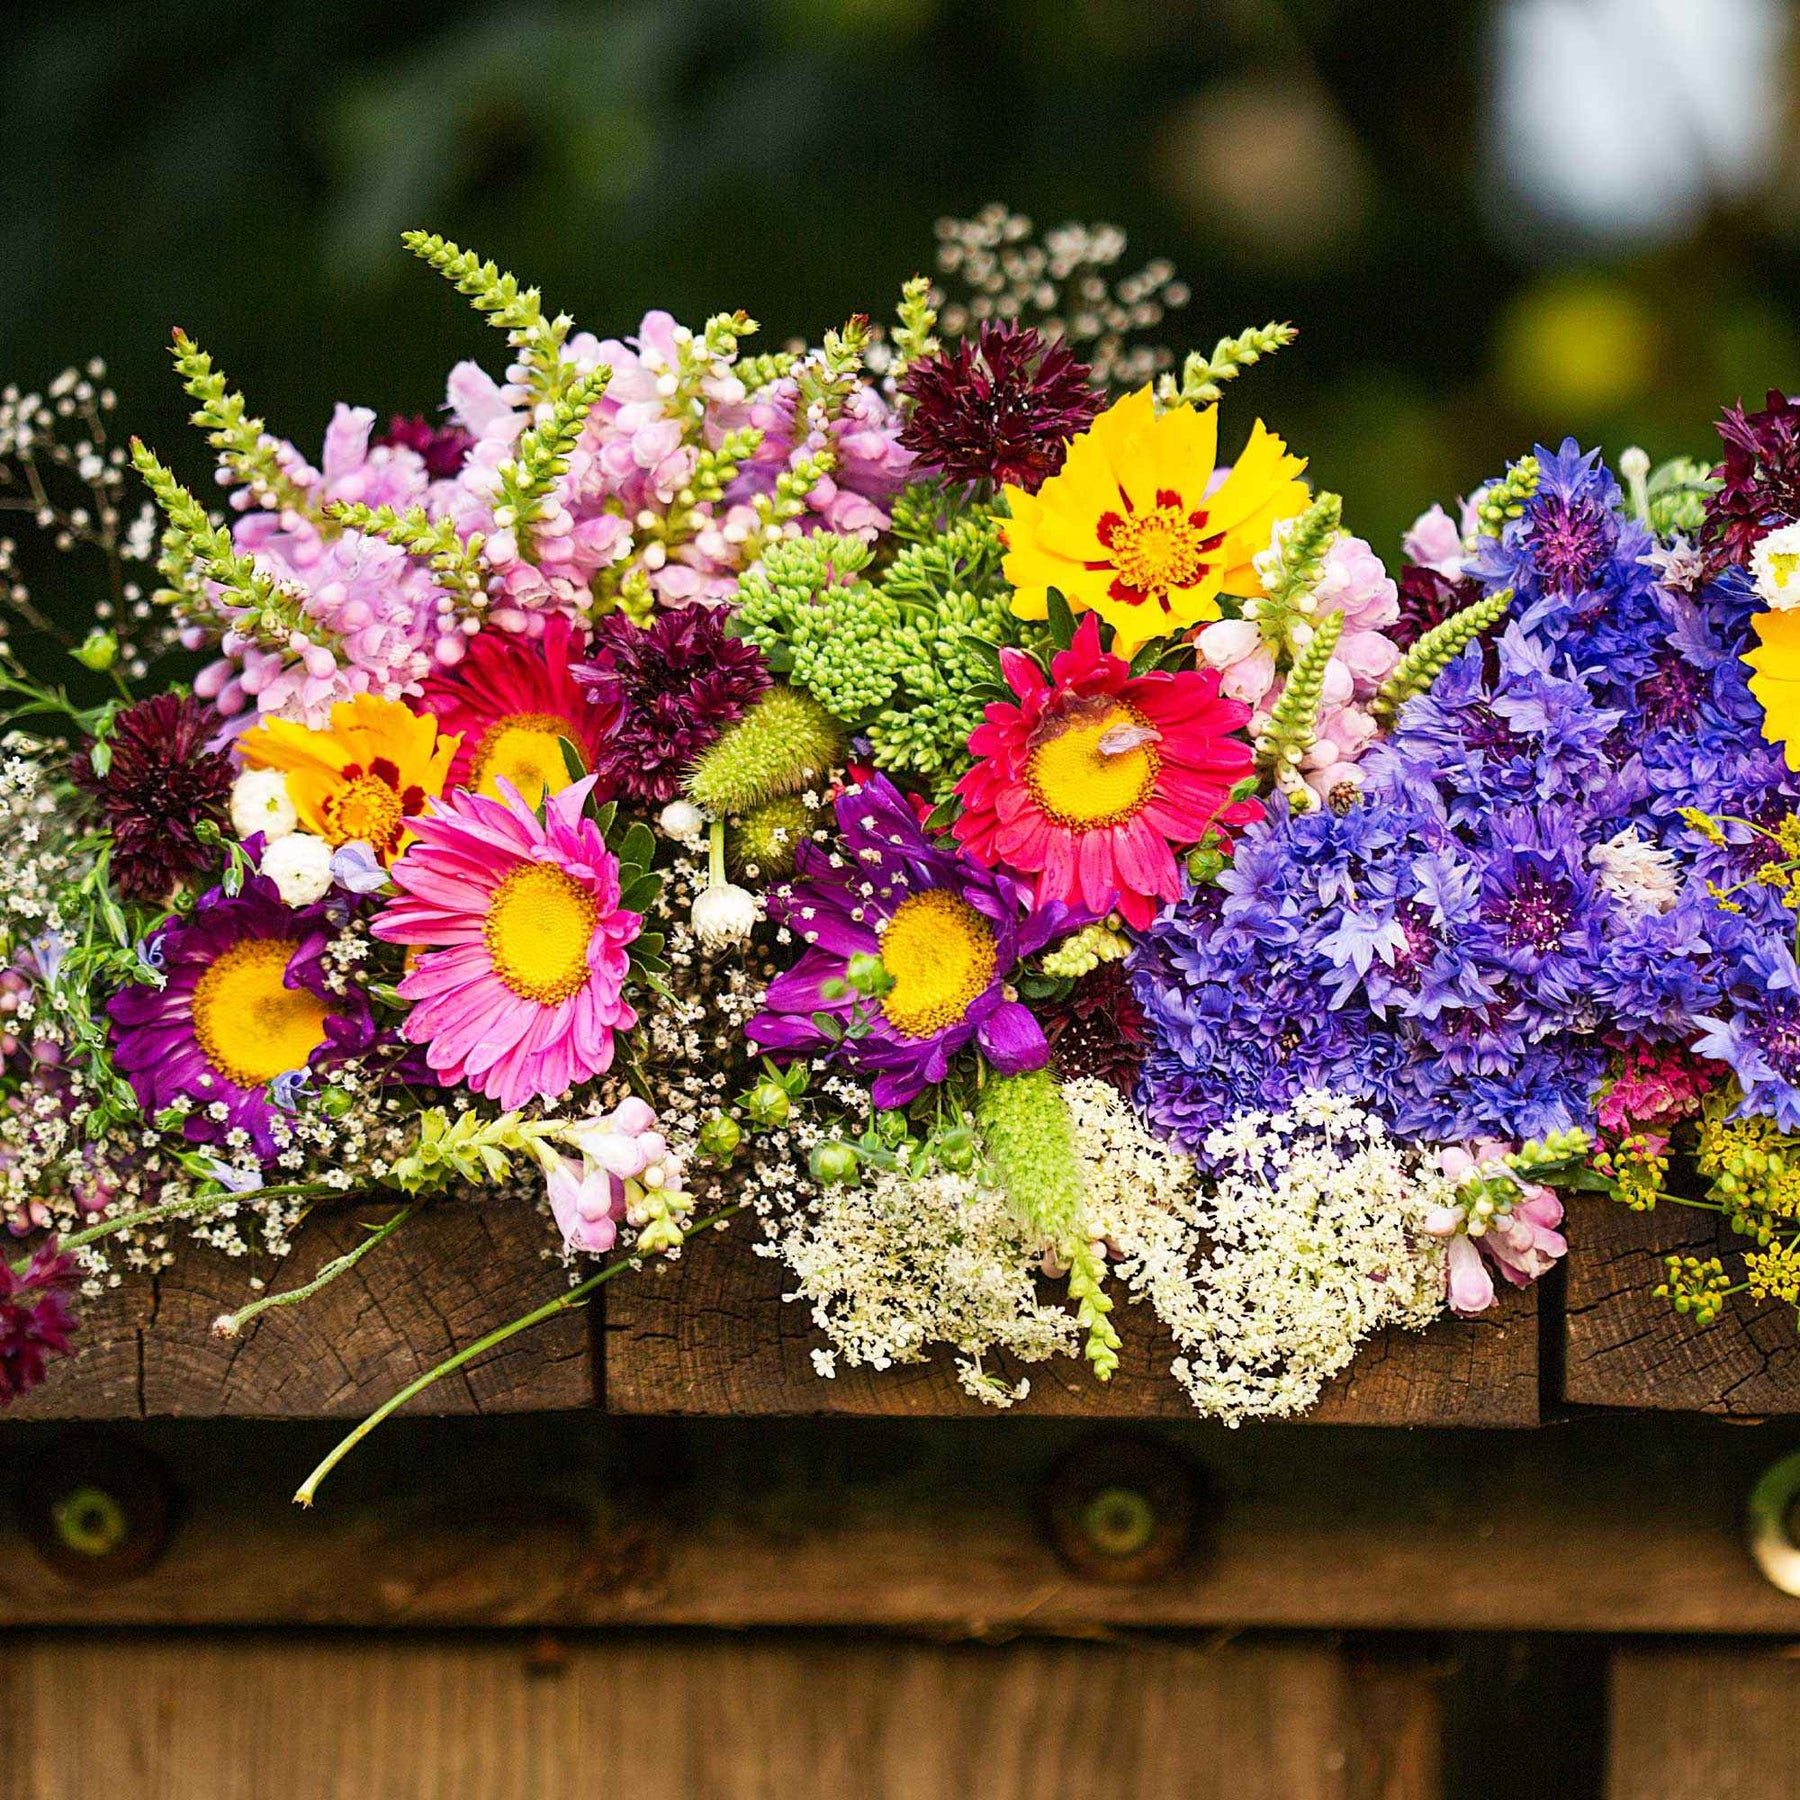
724 915
300 867
260 802
683 821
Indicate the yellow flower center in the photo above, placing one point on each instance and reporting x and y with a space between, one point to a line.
538 930
366 808
1782 565
940 954
1160 549
249 1024
1096 766
525 749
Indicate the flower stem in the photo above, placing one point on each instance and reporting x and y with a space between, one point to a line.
575 1296
232 1323
195 1206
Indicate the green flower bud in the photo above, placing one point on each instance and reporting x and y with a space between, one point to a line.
98 651
767 1103
835 1164
720 1137
867 974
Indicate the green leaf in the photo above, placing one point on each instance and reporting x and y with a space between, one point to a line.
637 849
1062 621
639 895
828 1026
573 765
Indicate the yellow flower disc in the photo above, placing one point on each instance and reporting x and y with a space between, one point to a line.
366 809
940 954
249 1024
1098 769
526 750
538 929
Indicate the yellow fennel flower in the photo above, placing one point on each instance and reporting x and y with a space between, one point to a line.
1776 683
1128 529
363 777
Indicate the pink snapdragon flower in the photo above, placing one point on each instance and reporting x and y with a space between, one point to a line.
1519 1240
1355 584
624 1158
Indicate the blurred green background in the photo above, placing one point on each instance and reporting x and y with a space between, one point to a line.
1493 220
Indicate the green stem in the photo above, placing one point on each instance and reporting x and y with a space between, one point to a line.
563 1303
196 1205
715 857
233 1323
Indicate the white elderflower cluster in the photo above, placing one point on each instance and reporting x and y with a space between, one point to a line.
897 1264
1314 1240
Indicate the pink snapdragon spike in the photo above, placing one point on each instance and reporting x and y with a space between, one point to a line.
624 1158
1519 1242
1435 542
1354 583
587 1203
377 608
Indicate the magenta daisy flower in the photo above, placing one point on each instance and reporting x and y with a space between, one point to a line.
244 999
522 984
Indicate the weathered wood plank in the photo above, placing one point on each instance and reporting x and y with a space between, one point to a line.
1624 1347
1607 1525
709 1335
450 1274
1703 1725
665 1718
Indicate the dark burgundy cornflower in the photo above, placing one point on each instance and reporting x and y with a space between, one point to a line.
160 784
1001 409
1669 696
36 1320
676 684
1427 598
1759 478
444 447
1098 1029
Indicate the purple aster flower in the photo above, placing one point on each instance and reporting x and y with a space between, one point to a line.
244 1001
36 1319
949 932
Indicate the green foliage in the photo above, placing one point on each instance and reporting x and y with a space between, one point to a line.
1203 378
1436 650
1029 1138
541 457
466 1148
766 840
536 339
811 611
955 612
196 551
455 563
1499 505
246 450
1294 722
785 744
1678 491
912 334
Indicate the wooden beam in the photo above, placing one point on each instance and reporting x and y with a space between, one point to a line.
1608 1525
1702 1724
710 1336
663 1718
1623 1347
453 1272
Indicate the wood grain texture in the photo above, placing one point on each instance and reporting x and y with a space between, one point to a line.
679 1719
447 1276
1624 1347
1704 1725
710 1335
1609 1525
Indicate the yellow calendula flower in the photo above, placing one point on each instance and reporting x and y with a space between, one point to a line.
1128 529
1776 683
364 776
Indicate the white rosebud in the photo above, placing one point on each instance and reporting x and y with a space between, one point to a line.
724 915
300 867
1775 564
683 821
260 802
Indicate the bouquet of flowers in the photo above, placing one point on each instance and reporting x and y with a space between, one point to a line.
914 790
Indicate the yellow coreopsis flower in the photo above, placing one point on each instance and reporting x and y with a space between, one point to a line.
1128 529
361 778
1776 683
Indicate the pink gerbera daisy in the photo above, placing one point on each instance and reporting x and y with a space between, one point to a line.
514 701
1094 778
521 986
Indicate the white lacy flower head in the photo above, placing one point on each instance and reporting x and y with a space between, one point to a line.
260 802
1775 566
894 1265
300 867
1642 877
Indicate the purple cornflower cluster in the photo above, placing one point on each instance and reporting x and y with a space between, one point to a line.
1517 895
